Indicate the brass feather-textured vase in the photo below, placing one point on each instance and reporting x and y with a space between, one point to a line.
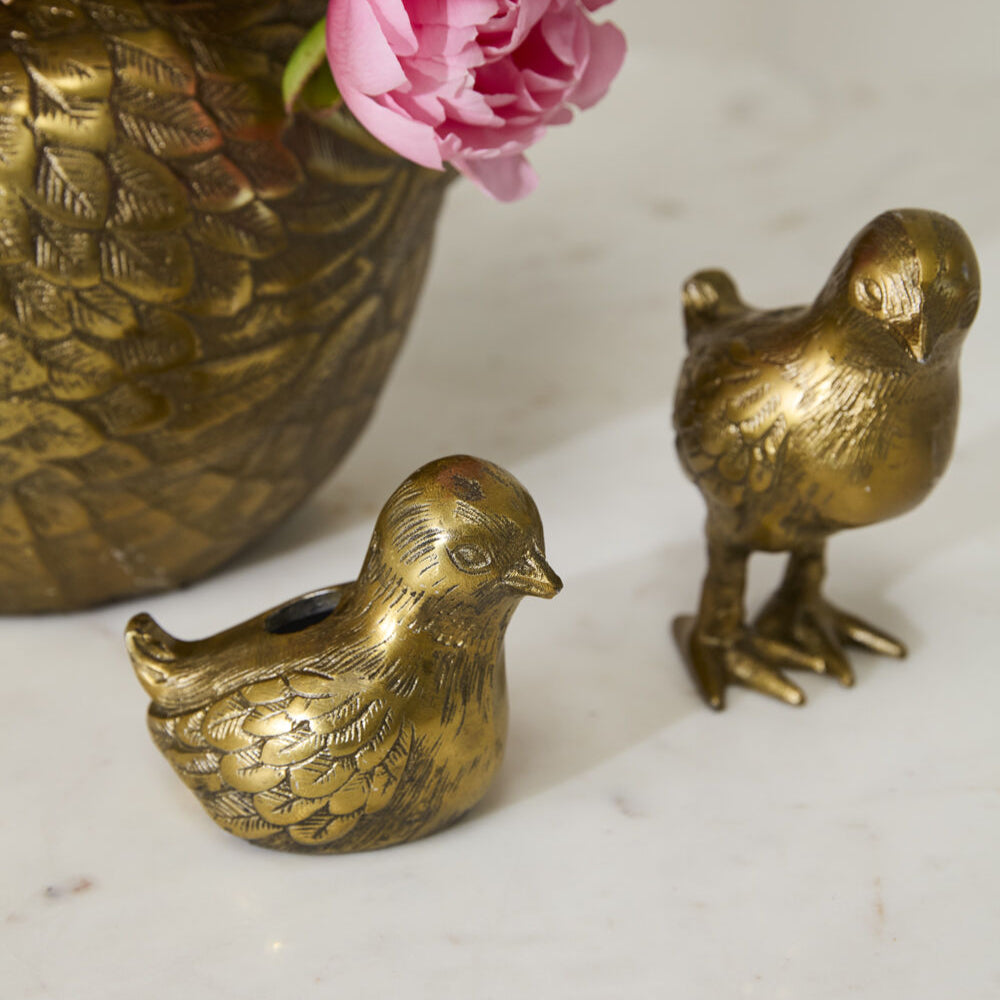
199 298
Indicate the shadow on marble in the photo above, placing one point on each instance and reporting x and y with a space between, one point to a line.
606 676
597 676
617 680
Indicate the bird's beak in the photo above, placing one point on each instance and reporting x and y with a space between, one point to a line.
915 339
533 576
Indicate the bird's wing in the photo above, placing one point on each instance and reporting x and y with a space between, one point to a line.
730 418
305 754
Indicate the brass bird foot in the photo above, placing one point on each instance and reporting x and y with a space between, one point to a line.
820 631
744 657
786 635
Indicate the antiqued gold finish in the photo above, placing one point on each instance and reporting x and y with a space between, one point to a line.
371 713
199 299
797 423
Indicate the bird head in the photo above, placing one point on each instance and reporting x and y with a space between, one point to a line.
914 274
463 530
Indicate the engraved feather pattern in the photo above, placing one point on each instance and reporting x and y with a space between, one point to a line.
199 300
730 426
296 761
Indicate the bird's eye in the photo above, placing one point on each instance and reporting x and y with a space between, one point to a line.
470 558
869 294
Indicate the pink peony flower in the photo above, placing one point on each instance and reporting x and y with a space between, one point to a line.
470 82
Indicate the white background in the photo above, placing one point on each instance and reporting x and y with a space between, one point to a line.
635 845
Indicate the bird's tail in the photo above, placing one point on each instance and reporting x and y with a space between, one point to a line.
166 675
710 298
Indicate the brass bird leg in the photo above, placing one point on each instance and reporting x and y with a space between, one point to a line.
720 649
797 615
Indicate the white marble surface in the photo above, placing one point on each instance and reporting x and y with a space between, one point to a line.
636 845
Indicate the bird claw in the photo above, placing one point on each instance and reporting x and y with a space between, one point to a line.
820 631
860 633
745 657
787 635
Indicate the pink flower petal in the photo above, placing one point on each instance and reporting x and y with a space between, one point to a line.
505 178
607 53
470 82
395 23
361 58
413 139
560 33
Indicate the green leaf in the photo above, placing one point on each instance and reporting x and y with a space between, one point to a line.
307 80
320 94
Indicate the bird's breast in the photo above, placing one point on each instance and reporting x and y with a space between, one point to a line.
460 718
875 452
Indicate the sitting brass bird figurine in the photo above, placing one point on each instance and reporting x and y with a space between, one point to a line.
366 714
797 423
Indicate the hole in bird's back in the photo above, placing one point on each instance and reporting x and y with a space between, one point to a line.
303 612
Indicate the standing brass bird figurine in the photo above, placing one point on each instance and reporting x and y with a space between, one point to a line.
797 423
370 713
